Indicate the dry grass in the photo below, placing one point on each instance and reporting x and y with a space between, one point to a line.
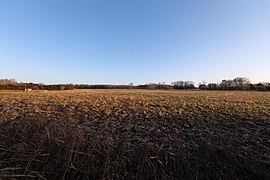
136 134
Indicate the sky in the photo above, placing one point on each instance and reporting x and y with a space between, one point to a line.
139 41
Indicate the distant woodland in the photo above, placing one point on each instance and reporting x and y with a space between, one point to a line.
239 83
12 84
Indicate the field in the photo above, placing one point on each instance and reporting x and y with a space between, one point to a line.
134 134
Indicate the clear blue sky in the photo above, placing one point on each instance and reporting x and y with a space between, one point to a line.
140 41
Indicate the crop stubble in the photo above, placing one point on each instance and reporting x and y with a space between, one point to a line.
134 134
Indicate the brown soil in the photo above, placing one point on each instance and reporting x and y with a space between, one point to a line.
134 134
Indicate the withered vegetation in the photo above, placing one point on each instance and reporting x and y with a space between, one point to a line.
134 134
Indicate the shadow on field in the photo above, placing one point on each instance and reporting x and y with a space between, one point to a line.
45 150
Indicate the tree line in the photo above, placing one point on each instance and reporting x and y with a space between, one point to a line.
164 86
239 83
130 86
11 84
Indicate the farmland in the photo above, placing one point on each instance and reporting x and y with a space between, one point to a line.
135 134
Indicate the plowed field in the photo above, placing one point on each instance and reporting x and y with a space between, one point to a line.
134 134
